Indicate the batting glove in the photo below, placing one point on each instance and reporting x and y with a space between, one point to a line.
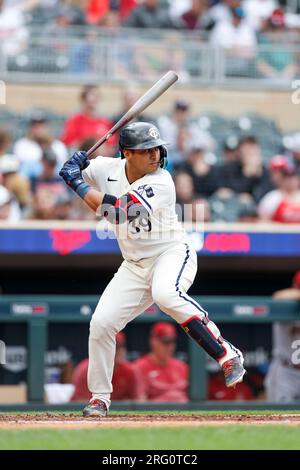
81 159
71 173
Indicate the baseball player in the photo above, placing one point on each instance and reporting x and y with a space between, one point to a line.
137 196
283 378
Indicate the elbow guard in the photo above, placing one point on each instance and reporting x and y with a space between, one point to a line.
124 209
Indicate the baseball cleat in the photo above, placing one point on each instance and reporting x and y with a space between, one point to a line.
95 408
234 371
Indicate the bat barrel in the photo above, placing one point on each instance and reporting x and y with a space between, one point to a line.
146 100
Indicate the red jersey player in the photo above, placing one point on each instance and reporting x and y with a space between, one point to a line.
164 378
125 380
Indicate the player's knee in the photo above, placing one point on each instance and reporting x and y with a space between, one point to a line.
163 296
101 328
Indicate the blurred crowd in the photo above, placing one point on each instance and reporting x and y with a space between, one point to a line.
156 376
183 14
218 176
236 26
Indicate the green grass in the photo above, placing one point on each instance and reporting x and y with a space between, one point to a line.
196 437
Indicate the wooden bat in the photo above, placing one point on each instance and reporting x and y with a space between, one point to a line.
142 103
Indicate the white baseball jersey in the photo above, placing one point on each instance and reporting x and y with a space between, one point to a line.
155 191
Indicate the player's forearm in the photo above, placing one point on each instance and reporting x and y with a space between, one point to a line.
93 199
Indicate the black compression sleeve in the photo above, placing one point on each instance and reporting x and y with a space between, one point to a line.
109 200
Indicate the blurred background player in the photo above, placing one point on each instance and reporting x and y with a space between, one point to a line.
283 378
125 381
163 377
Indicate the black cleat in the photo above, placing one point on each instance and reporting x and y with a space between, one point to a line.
95 408
233 371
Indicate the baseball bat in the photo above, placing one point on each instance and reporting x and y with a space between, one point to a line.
142 103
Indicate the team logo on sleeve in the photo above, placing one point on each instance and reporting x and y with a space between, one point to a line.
146 189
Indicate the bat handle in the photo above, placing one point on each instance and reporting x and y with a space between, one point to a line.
99 143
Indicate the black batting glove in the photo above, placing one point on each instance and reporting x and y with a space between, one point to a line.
71 173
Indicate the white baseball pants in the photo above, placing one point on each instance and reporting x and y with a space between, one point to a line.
163 280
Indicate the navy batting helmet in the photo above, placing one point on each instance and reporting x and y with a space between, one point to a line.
142 135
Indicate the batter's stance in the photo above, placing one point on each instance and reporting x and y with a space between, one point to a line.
159 266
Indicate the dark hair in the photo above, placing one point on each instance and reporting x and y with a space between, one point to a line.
85 91
249 139
87 143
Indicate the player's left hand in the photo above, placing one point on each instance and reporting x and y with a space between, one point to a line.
80 159
71 171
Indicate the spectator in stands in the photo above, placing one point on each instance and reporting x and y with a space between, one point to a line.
47 169
163 378
275 61
248 174
129 96
205 176
65 16
248 213
63 207
178 8
125 380
221 11
218 391
178 129
5 142
184 187
150 14
46 188
96 11
275 167
189 206
15 182
87 123
258 11
239 41
228 206
283 378
28 149
9 208
110 20
88 143
196 16
294 149
13 31
283 204
200 212
230 149
10 177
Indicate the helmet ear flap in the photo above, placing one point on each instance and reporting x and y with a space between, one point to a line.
163 156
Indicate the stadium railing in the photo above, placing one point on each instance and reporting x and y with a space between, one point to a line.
85 55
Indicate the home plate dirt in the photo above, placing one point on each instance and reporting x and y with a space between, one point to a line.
71 421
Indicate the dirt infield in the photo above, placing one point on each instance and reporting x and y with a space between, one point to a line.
72 421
